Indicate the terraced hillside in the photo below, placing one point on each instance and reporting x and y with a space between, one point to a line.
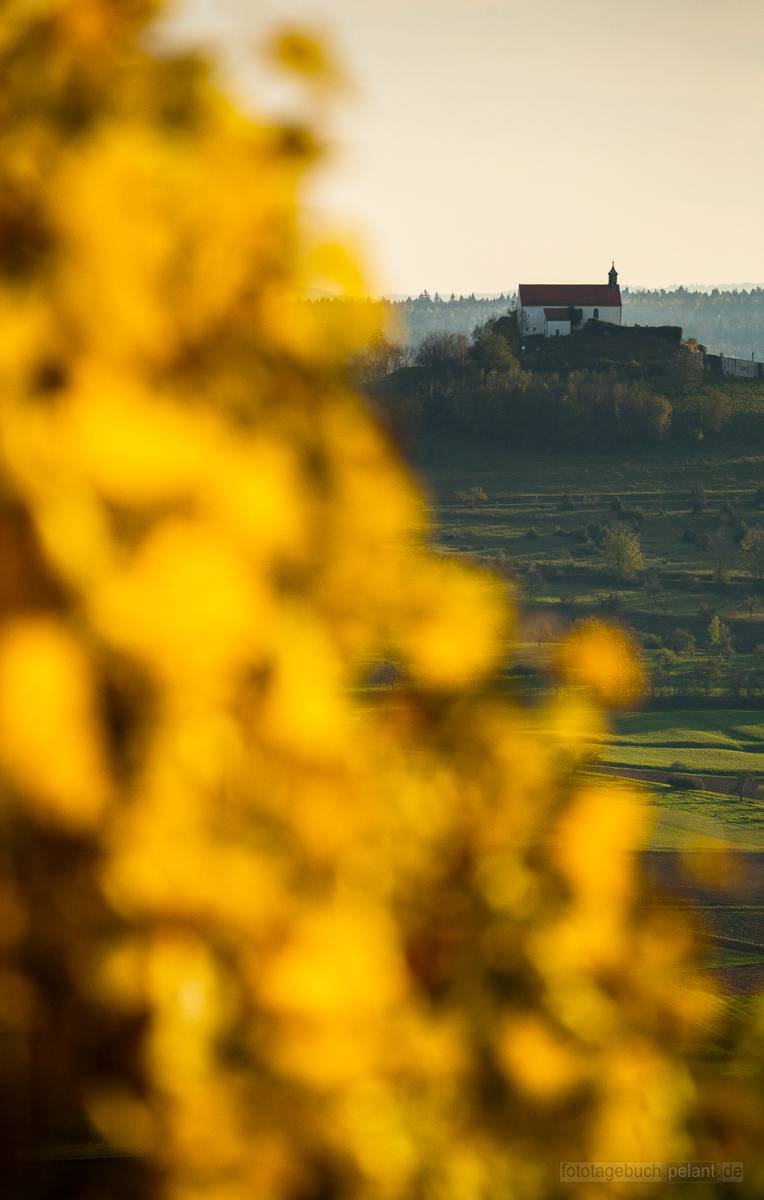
532 518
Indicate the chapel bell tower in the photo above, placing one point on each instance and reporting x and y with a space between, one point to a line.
612 277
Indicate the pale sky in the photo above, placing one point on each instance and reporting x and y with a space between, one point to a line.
489 142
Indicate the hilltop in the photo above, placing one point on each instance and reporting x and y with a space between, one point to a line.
603 388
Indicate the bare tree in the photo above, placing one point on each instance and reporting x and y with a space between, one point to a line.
722 551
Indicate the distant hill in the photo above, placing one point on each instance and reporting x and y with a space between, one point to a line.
730 321
411 319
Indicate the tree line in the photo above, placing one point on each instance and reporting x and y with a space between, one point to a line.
647 393
730 321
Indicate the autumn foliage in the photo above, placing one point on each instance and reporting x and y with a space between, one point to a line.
269 932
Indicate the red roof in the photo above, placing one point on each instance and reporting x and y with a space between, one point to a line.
557 314
598 295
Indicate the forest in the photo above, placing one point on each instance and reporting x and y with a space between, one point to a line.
608 387
726 321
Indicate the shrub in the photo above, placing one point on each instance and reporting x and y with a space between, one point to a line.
471 495
684 783
595 532
611 603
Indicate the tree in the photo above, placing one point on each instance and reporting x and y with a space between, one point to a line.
532 581
722 551
714 410
720 635
622 551
698 501
708 673
752 546
442 352
381 357
743 784
654 588
682 641
492 354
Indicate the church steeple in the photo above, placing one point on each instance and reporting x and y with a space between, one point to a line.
612 277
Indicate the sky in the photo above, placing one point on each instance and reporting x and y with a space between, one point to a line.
490 142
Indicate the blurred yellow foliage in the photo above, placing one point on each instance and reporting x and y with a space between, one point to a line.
274 935
602 659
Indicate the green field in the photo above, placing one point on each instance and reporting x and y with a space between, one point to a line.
535 518
698 759
535 511
727 742
699 817
729 729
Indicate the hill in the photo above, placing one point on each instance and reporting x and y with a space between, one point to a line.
727 320
606 387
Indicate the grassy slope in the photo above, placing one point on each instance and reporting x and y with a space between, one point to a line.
527 520
727 741
700 759
525 491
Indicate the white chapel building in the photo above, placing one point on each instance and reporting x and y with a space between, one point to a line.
554 309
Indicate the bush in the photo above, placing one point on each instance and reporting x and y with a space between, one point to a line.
471 495
651 641
612 603
684 783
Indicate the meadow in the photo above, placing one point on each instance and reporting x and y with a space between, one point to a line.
702 727
535 518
